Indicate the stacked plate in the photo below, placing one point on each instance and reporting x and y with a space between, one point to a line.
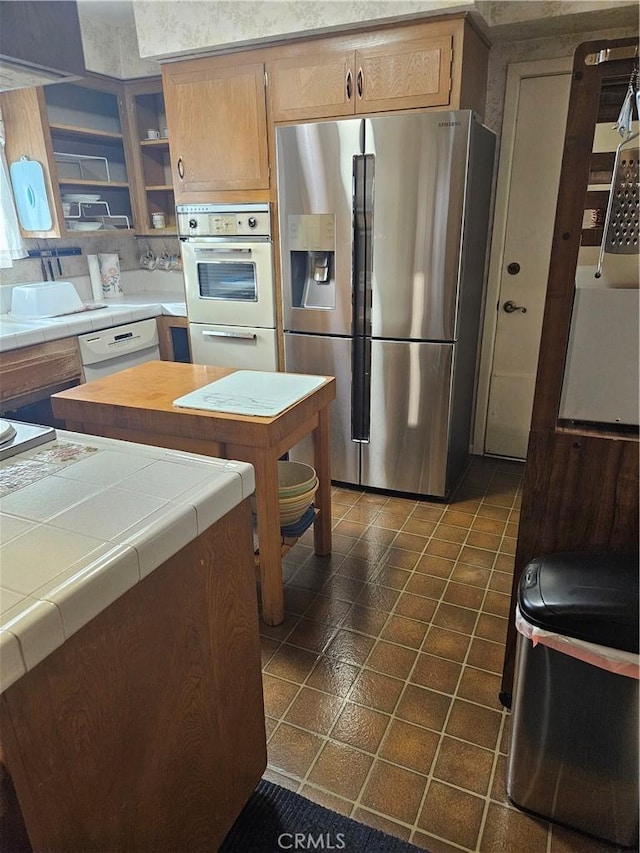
297 485
86 198
82 225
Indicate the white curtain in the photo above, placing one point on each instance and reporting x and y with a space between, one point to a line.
11 245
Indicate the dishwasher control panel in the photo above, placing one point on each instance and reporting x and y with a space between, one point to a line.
114 349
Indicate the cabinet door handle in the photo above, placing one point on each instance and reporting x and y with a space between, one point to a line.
360 82
180 168
348 82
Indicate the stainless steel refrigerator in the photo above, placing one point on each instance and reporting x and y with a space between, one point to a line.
383 236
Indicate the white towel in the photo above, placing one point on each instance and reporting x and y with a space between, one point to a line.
95 277
11 245
110 275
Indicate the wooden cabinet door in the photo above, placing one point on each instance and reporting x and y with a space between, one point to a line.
217 128
405 75
307 87
24 113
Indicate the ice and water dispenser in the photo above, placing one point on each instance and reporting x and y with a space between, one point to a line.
312 259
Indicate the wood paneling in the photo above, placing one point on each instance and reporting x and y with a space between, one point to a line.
580 489
145 730
32 373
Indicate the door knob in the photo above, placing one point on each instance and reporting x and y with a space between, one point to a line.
513 269
509 307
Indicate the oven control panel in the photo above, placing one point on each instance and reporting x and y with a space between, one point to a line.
219 220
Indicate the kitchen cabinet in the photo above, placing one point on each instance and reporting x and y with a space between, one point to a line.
77 132
580 490
33 373
90 153
415 74
408 67
151 183
217 124
24 114
173 338
163 743
222 110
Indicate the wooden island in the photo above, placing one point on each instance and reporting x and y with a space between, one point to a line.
137 405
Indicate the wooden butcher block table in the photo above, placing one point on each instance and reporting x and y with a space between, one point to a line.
137 405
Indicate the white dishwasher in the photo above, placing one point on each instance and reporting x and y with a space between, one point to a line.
117 348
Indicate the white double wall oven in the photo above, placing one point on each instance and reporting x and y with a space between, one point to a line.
227 254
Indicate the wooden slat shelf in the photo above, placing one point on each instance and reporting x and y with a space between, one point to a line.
160 188
83 182
85 133
155 143
287 542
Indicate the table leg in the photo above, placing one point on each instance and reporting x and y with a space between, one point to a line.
322 526
269 539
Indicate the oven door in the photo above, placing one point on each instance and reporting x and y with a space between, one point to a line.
229 283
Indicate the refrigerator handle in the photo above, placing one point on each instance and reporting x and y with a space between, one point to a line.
361 390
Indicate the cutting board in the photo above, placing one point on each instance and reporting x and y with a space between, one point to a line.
251 392
29 191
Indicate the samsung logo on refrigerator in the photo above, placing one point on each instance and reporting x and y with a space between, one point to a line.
449 124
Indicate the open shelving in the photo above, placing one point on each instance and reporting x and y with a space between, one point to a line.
154 187
86 128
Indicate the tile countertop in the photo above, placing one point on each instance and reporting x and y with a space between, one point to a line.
128 308
83 519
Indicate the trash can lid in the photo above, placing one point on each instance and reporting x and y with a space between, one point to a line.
592 597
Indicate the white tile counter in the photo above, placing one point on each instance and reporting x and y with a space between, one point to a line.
128 308
83 519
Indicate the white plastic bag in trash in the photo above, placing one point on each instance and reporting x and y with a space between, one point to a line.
613 660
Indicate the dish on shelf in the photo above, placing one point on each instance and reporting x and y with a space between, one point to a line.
84 197
83 226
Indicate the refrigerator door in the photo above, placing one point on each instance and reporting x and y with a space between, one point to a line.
328 356
418 206
410 415
315 166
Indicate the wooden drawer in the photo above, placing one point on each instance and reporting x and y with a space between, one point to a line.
33 373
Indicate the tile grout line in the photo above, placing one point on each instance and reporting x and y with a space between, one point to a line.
380 564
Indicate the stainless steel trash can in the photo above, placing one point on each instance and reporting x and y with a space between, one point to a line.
573 753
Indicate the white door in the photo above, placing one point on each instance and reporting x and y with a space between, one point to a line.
533 139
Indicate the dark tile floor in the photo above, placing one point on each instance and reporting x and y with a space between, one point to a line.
381 685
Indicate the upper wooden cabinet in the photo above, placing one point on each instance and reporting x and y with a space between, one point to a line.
319 85
76 132
24 113
436 64
222 110
217 127
415 73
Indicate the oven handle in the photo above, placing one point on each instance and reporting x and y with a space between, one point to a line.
245 336
221 251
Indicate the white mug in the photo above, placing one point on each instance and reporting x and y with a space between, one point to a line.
157 220
165 133
153 134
